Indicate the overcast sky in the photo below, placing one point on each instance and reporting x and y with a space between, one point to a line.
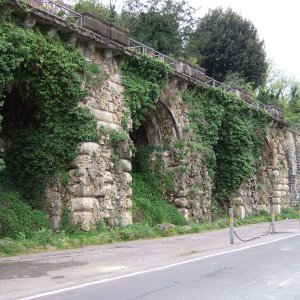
278 24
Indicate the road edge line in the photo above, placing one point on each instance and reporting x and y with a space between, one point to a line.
75 287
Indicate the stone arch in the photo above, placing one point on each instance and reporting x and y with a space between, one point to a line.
159 127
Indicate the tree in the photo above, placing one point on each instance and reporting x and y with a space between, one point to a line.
282 91
157 30
99 9
276 89
162 25
292 112
224 41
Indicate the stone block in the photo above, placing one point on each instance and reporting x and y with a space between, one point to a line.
276 200
108 124
83 204
181 202
262 207
125 203
93 170
111 107
238 201
126 165
239 212
128 177
126 218
129 192
96 24
104 215
124 151
285 181
106 204
167 153
116 119
80 160
119 35
128 203
279 194
281 187
88 148
108 178
102 192
184 212
277 208
182 194
81 190
84 220
102 115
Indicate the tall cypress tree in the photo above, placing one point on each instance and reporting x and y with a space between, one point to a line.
224 41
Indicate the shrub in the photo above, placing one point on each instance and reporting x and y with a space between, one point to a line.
17 216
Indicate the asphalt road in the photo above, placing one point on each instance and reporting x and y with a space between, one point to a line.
269 270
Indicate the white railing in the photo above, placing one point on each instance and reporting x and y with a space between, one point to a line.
69 15
145 50
59 10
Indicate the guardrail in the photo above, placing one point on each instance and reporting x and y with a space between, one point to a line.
59 10
145 50
67 14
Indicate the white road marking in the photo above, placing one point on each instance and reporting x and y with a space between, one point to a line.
150 270
285 249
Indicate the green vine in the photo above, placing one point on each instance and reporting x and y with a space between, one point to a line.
150 185
50 78
143 79
230 135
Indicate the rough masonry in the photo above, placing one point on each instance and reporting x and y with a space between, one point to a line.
99 191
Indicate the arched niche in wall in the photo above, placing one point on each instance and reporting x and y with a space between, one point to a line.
158 128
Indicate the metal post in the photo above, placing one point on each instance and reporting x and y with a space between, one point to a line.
273 219
299 215
231 222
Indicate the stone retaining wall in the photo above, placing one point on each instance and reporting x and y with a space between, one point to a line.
278 180
98 189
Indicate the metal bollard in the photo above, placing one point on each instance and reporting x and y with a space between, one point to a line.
231 222
273 219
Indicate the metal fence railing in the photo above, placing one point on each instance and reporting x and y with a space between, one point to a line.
145 50
66 13
59 10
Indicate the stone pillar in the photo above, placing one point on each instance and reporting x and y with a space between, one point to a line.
239 212
72 40
90 51
30 22
52 32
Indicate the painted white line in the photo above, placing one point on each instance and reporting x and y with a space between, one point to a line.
151 270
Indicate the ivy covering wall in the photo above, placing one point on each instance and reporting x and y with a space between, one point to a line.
230 135
222 127
50 77
143 80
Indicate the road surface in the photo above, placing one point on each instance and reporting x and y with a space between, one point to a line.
202 266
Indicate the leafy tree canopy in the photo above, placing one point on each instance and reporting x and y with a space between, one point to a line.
164 25
224 41
282 91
